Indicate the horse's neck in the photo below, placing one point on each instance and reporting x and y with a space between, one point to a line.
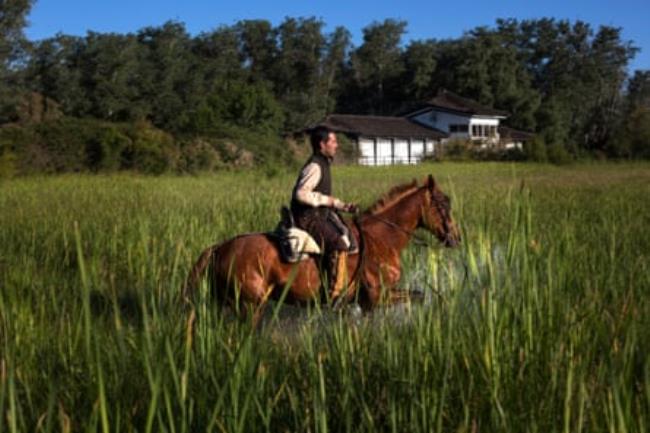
394 226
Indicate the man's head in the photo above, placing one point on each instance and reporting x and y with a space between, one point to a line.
323 141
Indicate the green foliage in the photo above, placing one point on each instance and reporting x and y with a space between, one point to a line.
561 80
200 155
634 137
13 19
536 150
105 152
458 150
557 154
377 66
7 162
150 150
74 145
240 105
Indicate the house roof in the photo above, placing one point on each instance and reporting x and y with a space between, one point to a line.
514 134
381 126
449 101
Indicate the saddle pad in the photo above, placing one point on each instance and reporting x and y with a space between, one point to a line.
302 242
297 245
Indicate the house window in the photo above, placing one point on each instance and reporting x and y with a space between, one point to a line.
482 131
458 128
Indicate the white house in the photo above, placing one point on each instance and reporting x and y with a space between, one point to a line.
465 119
460 118
423 131
385 140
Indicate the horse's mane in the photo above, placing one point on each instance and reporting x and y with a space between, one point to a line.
391 197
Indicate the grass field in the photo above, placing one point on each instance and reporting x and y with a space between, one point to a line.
538 322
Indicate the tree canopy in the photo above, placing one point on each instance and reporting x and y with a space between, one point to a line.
565 81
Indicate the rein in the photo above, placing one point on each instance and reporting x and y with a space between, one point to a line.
417 240
362 257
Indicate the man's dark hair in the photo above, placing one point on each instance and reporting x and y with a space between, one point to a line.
318 134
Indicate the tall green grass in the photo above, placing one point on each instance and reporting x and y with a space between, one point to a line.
538 322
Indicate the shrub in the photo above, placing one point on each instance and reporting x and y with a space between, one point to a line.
557 154
200 154
535 149
150 150
104 152
7 163
458 150
64 141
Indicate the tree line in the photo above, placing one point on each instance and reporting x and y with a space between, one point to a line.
228 95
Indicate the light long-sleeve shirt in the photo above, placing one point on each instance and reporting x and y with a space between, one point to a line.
304 192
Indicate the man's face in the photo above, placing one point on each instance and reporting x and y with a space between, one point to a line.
328 147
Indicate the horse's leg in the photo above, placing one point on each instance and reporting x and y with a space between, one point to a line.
255 291
261 306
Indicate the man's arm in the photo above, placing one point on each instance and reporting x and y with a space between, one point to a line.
309 178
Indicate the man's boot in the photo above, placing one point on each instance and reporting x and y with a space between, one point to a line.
339 274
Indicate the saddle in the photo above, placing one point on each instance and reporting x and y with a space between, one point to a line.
294 244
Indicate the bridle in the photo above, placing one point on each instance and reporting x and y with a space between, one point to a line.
417 239
443 211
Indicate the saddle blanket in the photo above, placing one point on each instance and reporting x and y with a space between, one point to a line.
297 245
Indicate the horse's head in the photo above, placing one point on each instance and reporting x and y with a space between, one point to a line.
436 214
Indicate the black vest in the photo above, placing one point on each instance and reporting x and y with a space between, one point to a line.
324 186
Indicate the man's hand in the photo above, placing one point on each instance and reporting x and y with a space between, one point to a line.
351 208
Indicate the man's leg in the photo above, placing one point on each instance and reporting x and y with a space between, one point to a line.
339 268
335 248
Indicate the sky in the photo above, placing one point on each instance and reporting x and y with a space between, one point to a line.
426 18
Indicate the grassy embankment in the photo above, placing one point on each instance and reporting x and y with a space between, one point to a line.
540 321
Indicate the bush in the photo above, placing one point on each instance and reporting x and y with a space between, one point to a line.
536 150
104 153
557 154
150 150
7 163
64 142
74 145
200 154
458 150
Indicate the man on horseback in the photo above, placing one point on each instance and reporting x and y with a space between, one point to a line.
315 209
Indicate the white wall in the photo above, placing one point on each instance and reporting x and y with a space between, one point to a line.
393 151
366 151
442 120
401 151
384 151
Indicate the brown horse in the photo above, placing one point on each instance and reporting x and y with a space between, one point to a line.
248 268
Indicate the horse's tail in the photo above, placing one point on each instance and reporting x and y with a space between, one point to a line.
197 272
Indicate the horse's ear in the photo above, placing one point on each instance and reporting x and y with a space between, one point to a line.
431 183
